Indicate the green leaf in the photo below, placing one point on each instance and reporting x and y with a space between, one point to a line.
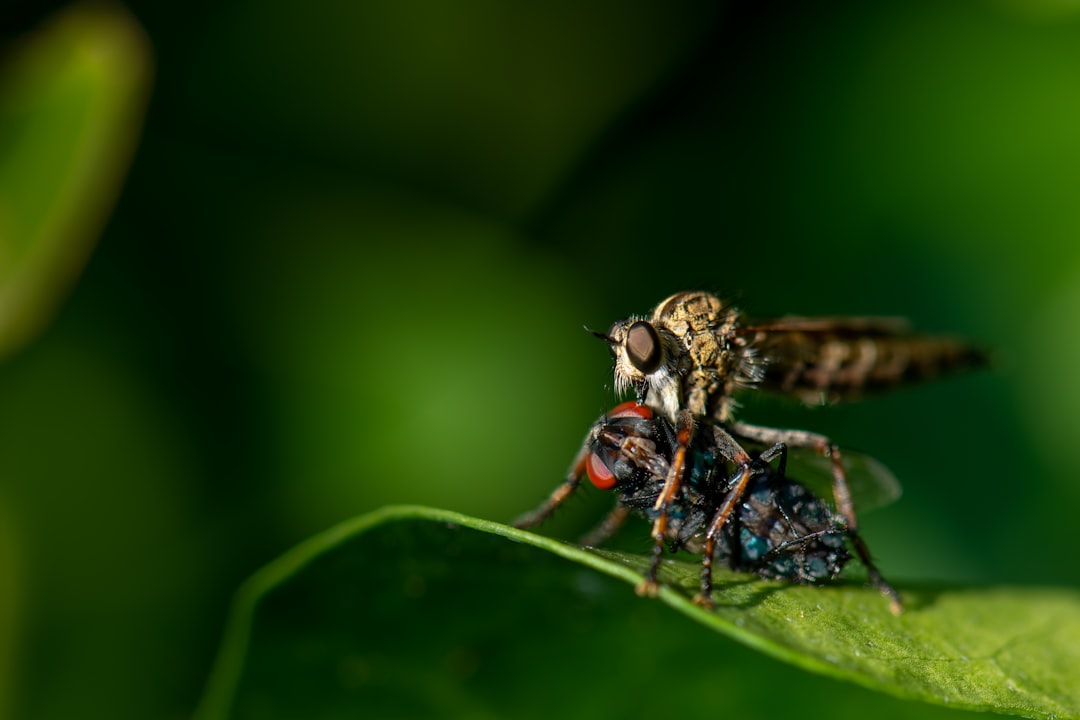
414 612
71 103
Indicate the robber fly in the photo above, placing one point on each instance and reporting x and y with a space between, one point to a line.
688 361
779 529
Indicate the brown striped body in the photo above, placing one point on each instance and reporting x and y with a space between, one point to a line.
835 359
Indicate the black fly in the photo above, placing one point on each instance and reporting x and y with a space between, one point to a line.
778 528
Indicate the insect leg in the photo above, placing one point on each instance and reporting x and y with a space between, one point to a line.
730 449
777 450
684 434
737 486
843 503
820 444
780 449
558 495
841 493
804 539
896 605
607 527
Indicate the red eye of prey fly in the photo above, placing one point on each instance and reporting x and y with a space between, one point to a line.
598 472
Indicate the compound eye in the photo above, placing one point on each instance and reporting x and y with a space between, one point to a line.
630 408
598 472
643 347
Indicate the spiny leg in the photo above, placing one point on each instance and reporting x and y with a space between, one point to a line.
804 539
777 450
607 527
818 443
780 449
731 451
786 513
558 495
896 605
844 504
684 435
841 493
736 488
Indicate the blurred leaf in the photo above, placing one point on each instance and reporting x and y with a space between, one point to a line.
71 102
328 630
1041 10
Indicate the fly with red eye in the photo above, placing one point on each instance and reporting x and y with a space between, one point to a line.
778 530
596 469
587 464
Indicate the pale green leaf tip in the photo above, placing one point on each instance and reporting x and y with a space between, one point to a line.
72 99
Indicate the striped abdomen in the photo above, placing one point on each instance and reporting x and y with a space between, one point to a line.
819 365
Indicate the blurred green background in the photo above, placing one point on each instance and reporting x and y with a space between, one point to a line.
351 260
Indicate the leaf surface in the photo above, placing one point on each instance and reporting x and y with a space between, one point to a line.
501 614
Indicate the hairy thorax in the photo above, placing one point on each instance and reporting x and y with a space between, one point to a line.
707 355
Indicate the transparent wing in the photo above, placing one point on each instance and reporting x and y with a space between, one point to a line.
872 484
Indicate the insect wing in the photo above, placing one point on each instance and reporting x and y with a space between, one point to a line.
827 360
832 326
872 484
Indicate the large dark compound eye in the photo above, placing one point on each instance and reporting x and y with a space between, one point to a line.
643 347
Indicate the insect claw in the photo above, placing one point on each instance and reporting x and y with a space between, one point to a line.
896 605
648 588
704 601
